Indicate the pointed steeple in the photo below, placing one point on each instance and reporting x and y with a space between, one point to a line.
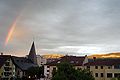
32 54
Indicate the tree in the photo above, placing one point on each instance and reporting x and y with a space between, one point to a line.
37 72
65 71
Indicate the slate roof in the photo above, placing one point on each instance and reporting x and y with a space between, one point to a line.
23 63
76 61
3 59
32 54
106 62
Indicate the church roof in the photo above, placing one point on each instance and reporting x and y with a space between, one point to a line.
32 54
23 63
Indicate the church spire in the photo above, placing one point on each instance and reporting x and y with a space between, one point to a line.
32 54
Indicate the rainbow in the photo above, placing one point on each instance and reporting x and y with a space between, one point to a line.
12 28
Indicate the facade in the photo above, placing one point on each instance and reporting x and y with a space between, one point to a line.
104 69
7 68
78 62
41 60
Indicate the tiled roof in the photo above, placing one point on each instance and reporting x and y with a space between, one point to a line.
106 62
23 63
77 61
3 59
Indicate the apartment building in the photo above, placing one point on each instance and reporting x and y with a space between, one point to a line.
7 68
104 69
78 62
41 60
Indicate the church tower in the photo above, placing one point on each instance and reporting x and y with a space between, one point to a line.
32 54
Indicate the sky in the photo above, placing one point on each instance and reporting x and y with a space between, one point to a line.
73 26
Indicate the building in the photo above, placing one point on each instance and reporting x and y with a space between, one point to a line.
22 64
7 68
41 60
104 69
32 54
78 62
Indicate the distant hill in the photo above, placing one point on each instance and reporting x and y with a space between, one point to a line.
52 56
109 55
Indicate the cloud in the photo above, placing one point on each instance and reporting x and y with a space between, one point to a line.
61 23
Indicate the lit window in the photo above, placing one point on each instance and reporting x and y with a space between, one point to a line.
58 62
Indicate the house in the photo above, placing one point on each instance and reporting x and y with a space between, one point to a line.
104 69
7 68
22 64
41 60
77 62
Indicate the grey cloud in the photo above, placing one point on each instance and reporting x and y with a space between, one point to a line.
55 23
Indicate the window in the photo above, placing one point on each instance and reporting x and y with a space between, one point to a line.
109 75
17 60
88 67
101 75
96 67
109 67
47 70
58 62
101 67
117 75
7 73
117 67
7 64
6 68
48 66
8 60
54 68
21 60
96 74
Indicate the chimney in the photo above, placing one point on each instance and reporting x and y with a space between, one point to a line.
85 55
1 53
94 58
